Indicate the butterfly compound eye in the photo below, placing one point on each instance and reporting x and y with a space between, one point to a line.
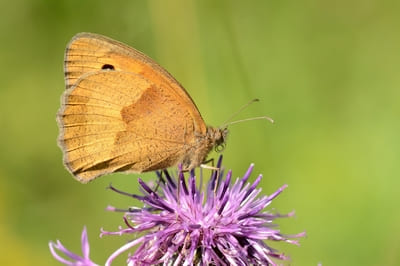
220 147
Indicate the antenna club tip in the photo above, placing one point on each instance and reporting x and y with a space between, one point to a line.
269 119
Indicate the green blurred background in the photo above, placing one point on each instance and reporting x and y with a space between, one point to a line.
327 72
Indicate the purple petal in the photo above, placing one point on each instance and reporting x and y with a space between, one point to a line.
75 259
85 243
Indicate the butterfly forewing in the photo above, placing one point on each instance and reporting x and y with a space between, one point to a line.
88 52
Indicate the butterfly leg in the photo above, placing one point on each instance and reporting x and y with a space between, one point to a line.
212 168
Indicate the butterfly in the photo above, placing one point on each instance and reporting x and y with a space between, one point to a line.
122 112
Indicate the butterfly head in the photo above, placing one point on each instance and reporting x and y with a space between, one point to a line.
218 137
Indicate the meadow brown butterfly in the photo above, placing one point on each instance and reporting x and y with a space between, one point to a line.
122 112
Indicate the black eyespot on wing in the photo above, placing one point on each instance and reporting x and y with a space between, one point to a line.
108 66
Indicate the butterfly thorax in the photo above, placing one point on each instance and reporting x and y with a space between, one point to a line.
214 138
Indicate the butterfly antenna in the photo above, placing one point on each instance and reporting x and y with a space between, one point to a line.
249 119
227 123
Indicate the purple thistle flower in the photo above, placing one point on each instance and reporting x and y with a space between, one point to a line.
183 225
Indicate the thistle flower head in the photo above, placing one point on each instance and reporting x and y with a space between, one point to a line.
182 224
